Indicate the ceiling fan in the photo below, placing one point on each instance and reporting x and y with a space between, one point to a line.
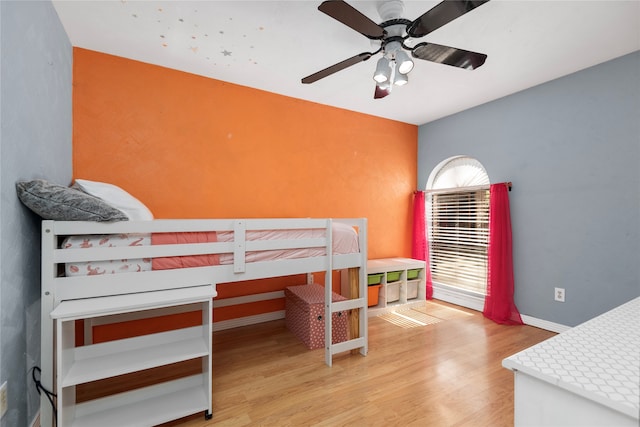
392 38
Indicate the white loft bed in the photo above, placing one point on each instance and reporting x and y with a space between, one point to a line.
68 298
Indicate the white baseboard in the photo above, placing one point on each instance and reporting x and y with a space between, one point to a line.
544 324
249 320
458 298
440 293
217 303
477 303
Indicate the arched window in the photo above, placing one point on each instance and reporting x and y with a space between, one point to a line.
456 172
458 223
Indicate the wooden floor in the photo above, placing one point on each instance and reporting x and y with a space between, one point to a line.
446 373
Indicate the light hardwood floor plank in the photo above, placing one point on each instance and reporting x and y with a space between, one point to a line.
443 374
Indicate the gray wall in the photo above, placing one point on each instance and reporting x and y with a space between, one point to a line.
35 142
571 147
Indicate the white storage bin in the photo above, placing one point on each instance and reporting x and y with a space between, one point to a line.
393 292
412 290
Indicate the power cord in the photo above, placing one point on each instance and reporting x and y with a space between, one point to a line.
39 388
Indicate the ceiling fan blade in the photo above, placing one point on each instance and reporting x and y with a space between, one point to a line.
343 12
448 55
337 67
441 14
381 93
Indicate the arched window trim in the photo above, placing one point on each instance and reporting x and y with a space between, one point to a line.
458 172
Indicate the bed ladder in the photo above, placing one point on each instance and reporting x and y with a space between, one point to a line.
356 304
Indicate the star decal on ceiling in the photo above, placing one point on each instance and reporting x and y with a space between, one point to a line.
226 53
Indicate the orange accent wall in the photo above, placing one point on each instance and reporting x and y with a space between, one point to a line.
193 147
134 328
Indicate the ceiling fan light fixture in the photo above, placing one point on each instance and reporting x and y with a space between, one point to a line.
383 70
404 64
400 79
389 37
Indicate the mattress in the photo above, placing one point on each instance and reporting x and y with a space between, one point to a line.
345 241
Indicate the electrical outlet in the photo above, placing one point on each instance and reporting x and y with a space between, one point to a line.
3 399
559 294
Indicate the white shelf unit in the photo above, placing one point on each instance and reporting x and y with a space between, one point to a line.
397 293
145 406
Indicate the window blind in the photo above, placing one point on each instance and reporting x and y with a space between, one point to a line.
459 235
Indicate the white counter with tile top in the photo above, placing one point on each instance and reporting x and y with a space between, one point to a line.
588 375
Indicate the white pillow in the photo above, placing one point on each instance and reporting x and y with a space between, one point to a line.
116 197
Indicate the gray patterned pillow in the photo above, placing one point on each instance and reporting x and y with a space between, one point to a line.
60 203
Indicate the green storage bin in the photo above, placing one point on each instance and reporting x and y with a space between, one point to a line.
413 274
393 276
374 279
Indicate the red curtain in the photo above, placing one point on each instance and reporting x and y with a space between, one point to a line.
498 304
420 245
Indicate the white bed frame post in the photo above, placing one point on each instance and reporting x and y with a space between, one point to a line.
207 362
328 298
47 304
363 240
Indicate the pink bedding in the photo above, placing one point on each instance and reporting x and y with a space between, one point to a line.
168 263
91 268
345 240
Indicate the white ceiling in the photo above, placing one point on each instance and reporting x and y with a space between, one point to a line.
271 45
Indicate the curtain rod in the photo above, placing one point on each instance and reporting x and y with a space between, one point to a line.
461 189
